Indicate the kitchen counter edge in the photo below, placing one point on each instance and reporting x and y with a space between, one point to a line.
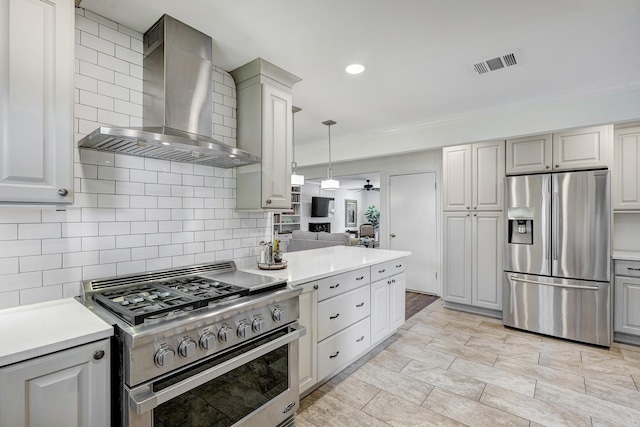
35 330
313 264
626 255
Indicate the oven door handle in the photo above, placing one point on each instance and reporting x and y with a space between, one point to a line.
143 399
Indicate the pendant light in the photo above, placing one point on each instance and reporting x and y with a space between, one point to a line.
329 183
295 178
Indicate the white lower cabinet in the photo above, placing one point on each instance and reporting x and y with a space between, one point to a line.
387 306
345 316
473 259
308 344
69 388
626 307
342 348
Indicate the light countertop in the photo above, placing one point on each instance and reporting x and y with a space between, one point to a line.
35 330
314 264
626 255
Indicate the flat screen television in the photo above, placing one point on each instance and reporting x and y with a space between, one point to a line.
322 207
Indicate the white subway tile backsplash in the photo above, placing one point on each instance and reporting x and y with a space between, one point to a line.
137 45
128 81
169 178
158 239
182 214
193 248
96 100
192 203
9 299
112 201
143 201
129 55
79 259
63 275
85 112
232 244
130 215
94 157
10 215
86 126
40 262
8 266
180 261
158 214
72 214
181 190
70 290
98 186
201 236
113 174
96 43
115 255
100 19
216 182
204 213
170 250
39 231
149 177
224 255
86 54
114 36
193 180
113 63
8 231
58 246
114 228
135 36
169 226
86 25
114 91
183 237
85 83
128 108
15 282
98 214
13 248
42 294
135 71
130 162
112 118
130 241
169 202
158 264
214 246
224 234
183 168
157 190
144 227
135 96
144 253
203 170
131 188
98 243
130 267
97 271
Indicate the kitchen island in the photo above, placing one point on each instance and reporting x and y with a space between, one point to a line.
352 299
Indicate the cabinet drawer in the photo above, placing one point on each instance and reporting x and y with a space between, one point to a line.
339 312
343 347
627 268
387 269
341 283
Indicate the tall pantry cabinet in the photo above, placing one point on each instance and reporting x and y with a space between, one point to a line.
473 179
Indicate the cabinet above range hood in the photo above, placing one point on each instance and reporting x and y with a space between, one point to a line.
177 104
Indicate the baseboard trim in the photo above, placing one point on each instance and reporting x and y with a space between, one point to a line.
626 338
475 310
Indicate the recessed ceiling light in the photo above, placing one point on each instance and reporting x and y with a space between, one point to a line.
165 143
354 69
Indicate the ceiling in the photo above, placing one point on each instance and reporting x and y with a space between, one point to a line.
418 53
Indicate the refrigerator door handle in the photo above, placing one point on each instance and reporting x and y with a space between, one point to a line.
555 207
557 285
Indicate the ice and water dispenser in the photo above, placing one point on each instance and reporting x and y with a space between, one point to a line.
520 225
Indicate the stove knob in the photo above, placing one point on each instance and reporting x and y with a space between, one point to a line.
187 348
277 314
207 341
242 329
257 323
225 334
164 356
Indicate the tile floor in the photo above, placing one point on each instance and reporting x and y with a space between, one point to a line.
449 368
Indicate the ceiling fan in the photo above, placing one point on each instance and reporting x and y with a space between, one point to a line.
367 187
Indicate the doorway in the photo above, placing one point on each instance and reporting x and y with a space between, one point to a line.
413 227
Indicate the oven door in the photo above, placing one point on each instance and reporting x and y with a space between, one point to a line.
253 384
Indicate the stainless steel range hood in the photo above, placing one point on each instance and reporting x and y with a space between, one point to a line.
177 104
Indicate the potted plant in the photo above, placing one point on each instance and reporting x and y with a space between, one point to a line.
373 216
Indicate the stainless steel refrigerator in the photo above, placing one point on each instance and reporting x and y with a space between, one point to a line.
557 255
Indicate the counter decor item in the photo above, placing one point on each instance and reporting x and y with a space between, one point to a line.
271 256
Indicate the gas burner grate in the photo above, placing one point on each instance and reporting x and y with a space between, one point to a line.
206 290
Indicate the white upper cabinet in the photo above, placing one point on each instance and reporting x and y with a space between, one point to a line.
626 171
473 176
456 170
265 129
530 154
36 101
584 148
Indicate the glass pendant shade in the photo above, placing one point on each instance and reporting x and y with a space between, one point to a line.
297 179
329 183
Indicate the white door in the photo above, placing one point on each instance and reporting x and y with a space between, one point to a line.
413 225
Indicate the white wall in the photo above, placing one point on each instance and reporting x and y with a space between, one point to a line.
626 229
129 214
510 121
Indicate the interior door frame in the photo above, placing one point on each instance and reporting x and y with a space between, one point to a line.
386 222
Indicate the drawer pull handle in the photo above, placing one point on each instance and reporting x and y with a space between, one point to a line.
360 305
360 339
633 269
334 355
99 354
315 286
360 278
334 286
381 271
399 265
334 317
393 280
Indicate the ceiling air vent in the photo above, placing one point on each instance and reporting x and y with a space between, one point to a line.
493 64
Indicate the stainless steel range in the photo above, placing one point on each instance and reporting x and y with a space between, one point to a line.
201 345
